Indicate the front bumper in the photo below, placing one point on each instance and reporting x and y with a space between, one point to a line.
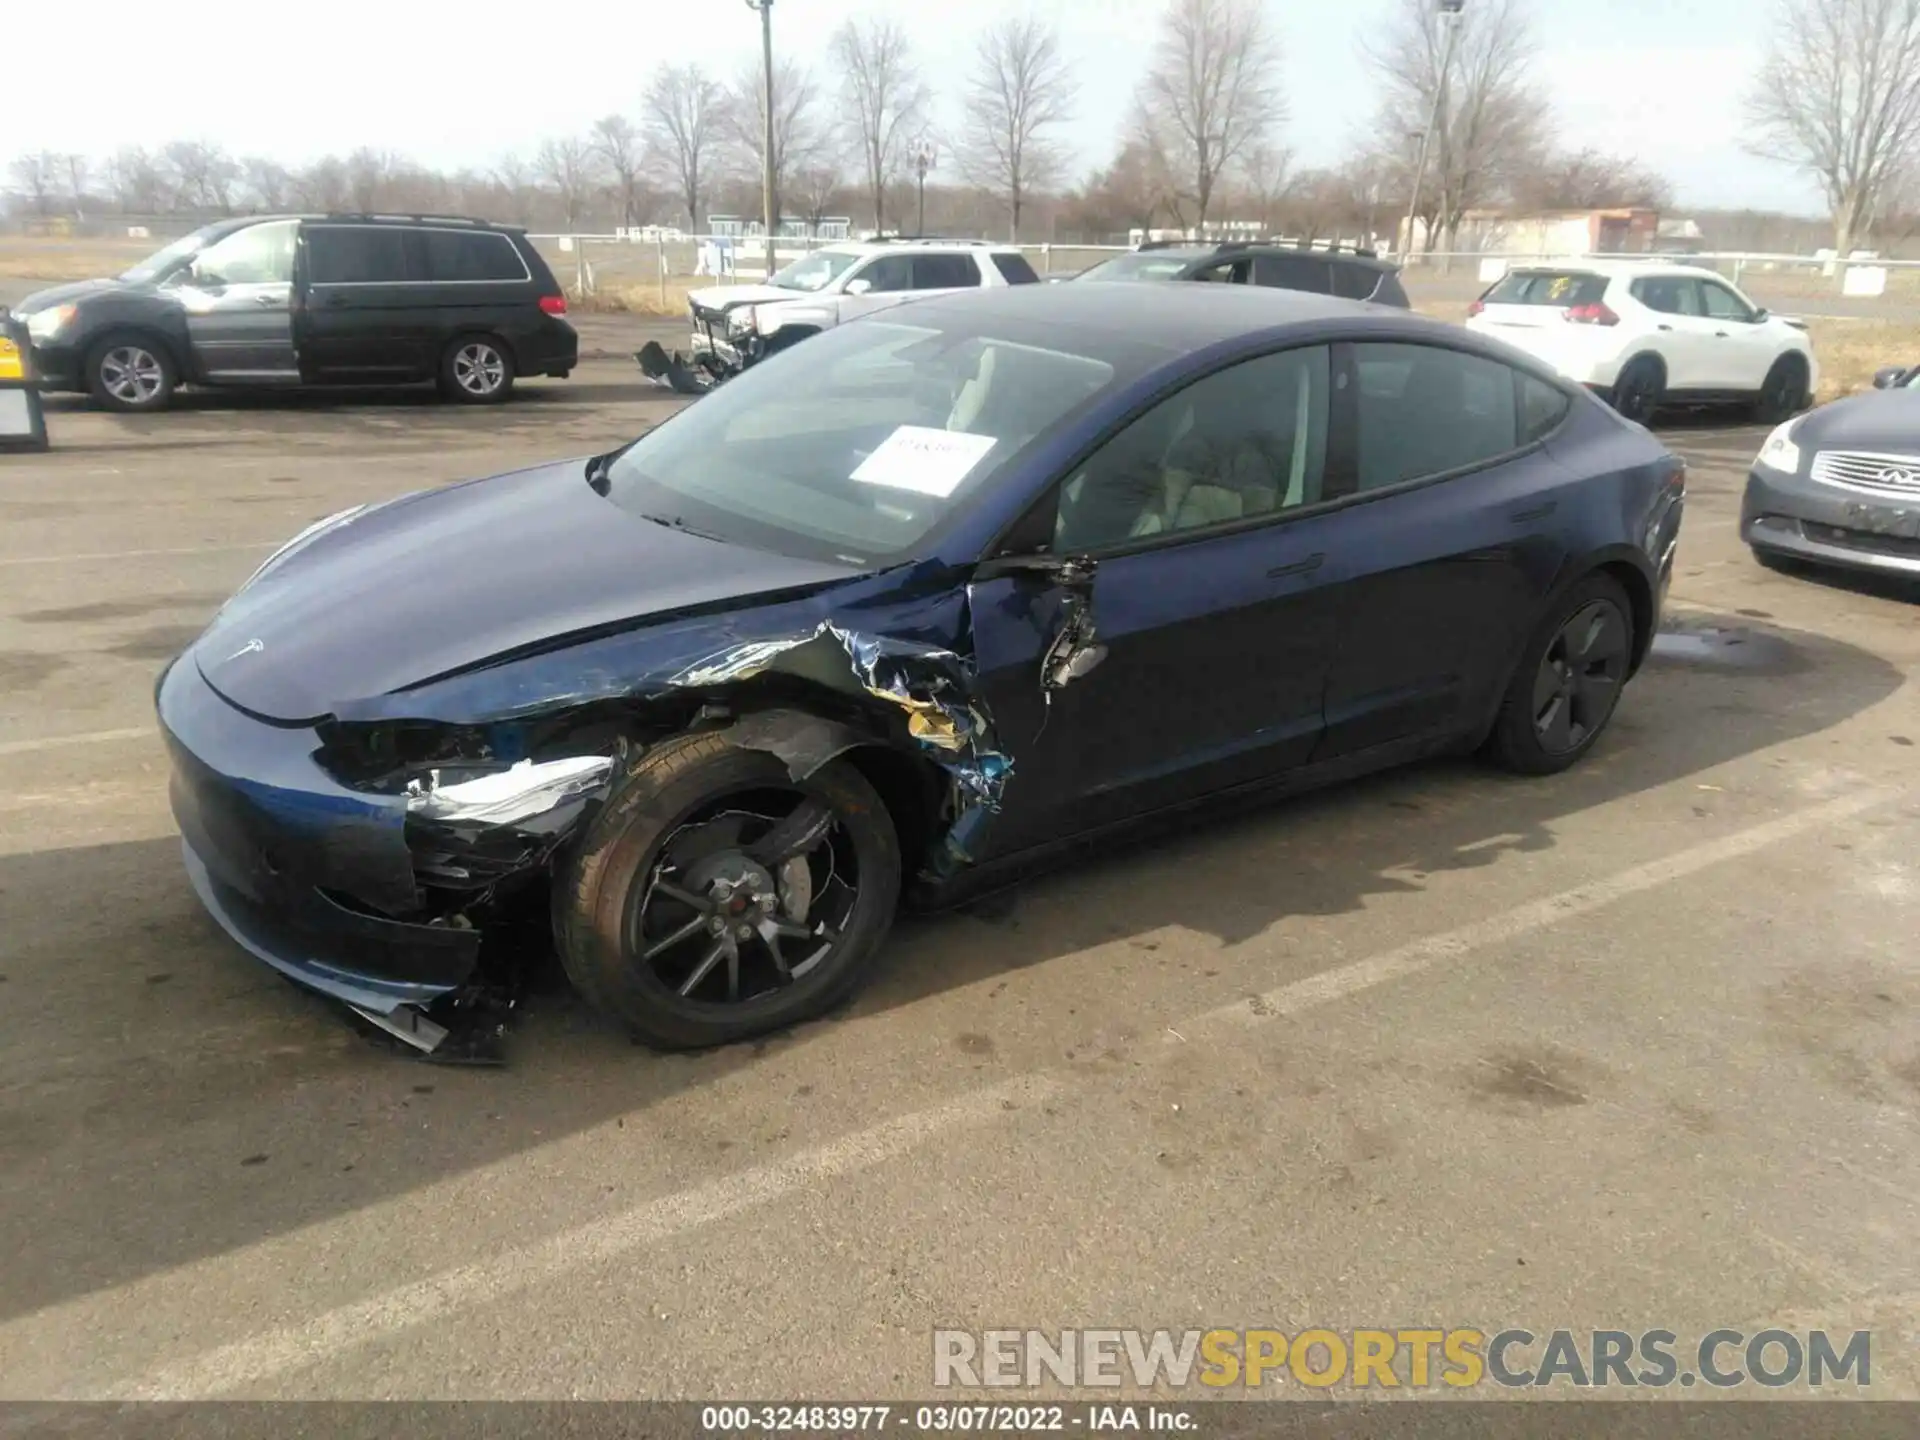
300 871
713 346
1791 515
58 367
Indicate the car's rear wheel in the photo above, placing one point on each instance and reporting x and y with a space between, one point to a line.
715 898
477 370
131 374
1568 682
1783 394
1638 391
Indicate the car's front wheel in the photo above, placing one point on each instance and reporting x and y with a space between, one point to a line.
1568 682
131 374
476 370
715 898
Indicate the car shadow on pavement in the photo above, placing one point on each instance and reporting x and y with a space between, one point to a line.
537 393
163 1098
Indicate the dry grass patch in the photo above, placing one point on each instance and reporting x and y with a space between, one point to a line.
32 258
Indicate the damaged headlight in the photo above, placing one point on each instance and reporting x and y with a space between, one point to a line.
306 537
507 797
744 321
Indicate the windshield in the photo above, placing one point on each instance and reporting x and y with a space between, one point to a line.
813 272
167 258
1145 265
858 448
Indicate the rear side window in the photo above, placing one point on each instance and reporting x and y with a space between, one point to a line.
1391 292
1548 287
1354 282
945 272
1014 269
1293 272
1542 407
1668 294
1425 411
357 255
455 255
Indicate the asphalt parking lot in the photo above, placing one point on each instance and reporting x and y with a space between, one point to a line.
1635 1046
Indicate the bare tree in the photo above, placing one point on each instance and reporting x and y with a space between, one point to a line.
617 142
204 173
817 190
683 122
515 180
567 165
74 171
1211 91
1020 92
1491 122
321 185
797 134
1839 96
37 177
266 183
370 178
137 183
1589 180
888 99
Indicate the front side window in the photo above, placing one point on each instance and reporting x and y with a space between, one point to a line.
1245 442
854 456
356 255
257 255
1424 411
814 272
1723 304
168 259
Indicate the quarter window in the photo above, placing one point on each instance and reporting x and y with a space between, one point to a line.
1245 442
452 255
1424 411
1542 407
1293 272
1014 268
356 255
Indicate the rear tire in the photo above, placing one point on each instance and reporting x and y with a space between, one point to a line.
615 900
1639 390
131 374
1783 394
477 370
1567 686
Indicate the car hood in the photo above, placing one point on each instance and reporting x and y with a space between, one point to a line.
1887 421
77 291
446 580
722 298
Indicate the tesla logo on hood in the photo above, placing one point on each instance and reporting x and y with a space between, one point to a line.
252 647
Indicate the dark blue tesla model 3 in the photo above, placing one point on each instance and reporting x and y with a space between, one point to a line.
902 614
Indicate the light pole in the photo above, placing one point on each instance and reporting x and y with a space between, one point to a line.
768 218
925 157
1450 18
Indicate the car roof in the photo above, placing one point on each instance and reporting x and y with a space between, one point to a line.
1613 269
1175 317
458 222
881 247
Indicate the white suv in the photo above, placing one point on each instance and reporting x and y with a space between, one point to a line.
736 325
1646 335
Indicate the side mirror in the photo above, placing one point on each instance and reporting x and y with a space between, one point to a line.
1889 378
1062 570
859 287
1761 316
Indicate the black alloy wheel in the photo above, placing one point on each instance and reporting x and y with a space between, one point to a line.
1636 395
1568 682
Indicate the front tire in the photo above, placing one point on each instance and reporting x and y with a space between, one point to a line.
131 374
715 898
477 370
1568 682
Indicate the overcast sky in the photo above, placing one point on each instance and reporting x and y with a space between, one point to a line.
458 85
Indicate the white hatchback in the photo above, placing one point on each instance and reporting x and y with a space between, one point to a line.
1644 335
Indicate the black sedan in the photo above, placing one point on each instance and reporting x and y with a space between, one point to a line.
903 615
1840 486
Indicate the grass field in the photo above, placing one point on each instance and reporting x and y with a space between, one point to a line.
627 281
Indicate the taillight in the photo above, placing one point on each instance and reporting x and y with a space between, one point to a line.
554 304
1592 315
1475 308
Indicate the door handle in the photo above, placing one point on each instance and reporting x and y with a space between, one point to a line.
1299 567
1537 512
1664 327
1719 334
269 299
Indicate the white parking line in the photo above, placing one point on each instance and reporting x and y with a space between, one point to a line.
60 742
55 1335
104 555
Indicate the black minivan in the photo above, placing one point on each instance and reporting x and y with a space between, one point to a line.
293 300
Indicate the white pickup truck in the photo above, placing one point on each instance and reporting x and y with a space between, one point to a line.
736 325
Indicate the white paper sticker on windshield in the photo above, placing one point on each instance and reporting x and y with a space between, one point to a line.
933 462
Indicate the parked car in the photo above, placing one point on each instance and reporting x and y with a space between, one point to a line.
1840 486
1354 274
938 598
735 326
283 301
1897 377
1646 334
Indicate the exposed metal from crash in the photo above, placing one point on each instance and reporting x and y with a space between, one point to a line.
509 796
